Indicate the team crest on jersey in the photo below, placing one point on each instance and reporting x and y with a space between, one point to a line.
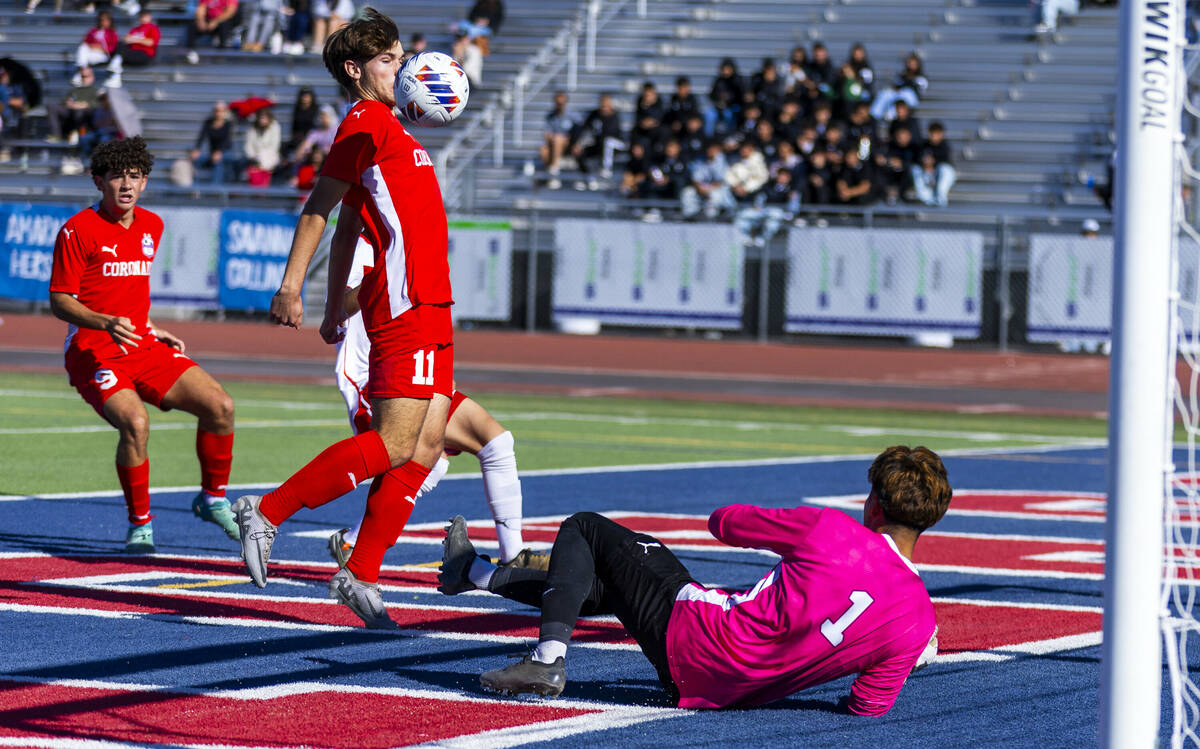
147 245
105 378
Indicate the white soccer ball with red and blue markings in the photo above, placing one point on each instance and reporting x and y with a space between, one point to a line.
431 90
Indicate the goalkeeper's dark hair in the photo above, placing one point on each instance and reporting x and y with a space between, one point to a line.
121 156
368 34
911 486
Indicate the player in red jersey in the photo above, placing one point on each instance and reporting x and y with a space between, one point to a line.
381 174
115 357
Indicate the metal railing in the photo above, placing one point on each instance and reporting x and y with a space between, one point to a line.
560 51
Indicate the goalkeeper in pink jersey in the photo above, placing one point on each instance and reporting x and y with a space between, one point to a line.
844 599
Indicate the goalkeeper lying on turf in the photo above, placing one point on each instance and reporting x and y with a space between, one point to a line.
844 599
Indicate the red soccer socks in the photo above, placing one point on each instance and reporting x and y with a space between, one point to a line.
389 504
337 470
135 483
216 456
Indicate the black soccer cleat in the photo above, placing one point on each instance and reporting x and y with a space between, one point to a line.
528 676
457 555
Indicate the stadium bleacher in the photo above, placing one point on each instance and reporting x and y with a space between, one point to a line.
998 89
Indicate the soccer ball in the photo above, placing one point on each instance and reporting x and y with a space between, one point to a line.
431 90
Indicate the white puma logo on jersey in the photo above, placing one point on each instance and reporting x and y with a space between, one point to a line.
412 500
357 113
68 232
647 545
353 480
110 250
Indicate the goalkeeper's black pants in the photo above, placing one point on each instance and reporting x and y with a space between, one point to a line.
600 567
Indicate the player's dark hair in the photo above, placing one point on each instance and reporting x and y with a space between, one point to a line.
368 34
120 156
911 486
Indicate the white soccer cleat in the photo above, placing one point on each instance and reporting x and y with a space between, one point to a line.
364 599
258 536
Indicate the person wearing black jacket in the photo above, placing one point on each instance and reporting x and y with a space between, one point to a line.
726 96
599 135
895 172
683 105
216 137
670 175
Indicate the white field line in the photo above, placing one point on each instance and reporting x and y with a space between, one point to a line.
606 715
634 468
854 502
175 427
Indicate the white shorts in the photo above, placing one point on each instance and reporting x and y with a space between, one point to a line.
352 371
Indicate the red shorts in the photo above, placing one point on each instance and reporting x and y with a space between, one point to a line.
455 401
413 355
150 369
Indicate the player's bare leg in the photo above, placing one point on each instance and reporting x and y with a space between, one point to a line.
197 393
390 502
125 411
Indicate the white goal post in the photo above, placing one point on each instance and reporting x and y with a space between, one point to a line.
1141 400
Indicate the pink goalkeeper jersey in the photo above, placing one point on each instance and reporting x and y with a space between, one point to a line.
842 600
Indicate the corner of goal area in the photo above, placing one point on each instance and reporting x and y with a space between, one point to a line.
124 713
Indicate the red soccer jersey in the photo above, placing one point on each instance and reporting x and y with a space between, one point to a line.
151 34
107 268
396 192
104 38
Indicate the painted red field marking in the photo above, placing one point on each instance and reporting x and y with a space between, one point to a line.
307 714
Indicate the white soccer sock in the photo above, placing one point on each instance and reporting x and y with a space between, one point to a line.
435 475
480 573
212 499
548 651
502 487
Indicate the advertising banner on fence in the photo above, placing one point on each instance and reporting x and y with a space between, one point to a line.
1071 285
481 269
633 273
184 273
254 251
27 251
884 282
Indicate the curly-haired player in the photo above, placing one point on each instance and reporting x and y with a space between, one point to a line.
116 357
844 599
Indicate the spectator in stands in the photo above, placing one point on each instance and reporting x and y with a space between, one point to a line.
637 170
482 22
751 115
819 180
708 190
849 90
776 204
764 138
692 139
416 45
651 134
1090 228
896 165
725 97
854 184
304 117
116 117
819 73
307 173
32 5
1047 14
265 28
469 54
76 112
937 174
13 100
748 174
649 104
670 175
99 43
787 158
559 125
215 19
862 67
599 135
1104 190
683 106
214 142
909 86
261 148
768 88
788 124
834 144
491 11
806 141
299 21
137 48
821 117
795 76
322 135
327 17
904 120
860 128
